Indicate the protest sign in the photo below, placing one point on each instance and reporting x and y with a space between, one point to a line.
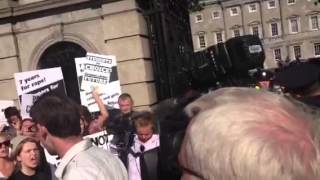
98 71
100 139
27 101
3 106
38 81
35 83
79 62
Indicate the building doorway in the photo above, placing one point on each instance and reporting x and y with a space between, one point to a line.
62 54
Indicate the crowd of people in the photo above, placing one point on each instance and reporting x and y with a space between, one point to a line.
227 134
57 125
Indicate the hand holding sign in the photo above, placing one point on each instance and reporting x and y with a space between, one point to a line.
98 123
98 70
95 92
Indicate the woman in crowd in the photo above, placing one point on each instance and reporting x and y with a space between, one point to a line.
25 150
91 125
85 119
6 165
29 129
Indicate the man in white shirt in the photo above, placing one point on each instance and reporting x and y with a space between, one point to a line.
145 144
58 121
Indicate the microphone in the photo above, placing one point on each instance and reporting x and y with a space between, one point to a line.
142 148
137 154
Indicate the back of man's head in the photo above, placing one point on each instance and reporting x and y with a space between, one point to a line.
11 111
59 114
246 134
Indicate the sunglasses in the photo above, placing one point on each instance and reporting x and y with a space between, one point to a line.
5 143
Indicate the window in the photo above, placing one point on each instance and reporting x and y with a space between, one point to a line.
255 30
277 54
314 22
294 25
252 7
317 49
271 4
274 29
219 37
202 41
291 2
216 15
233 11
199 18
297 51
236 32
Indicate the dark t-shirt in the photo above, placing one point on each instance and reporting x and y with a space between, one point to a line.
119 123
20 176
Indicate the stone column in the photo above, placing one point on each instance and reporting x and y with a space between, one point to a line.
126 36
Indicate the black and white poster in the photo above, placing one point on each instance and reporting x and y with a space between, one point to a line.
32 84
100 71
100 139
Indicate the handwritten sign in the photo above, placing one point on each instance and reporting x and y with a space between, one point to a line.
100 139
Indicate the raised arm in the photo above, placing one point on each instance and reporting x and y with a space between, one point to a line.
104 115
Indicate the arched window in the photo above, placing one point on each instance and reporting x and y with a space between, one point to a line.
62 55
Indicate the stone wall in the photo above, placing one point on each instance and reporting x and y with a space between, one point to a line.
116 28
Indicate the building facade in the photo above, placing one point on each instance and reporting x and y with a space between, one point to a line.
35 34
287 28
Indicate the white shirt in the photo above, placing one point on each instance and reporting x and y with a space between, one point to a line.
134 162
86 162
2 176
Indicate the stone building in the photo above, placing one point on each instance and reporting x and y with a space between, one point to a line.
287 28
37 34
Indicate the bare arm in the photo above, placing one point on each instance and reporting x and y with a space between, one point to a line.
103 117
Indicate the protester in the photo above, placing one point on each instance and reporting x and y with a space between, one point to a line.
28 128
99 122
122 121
121 125
58 122
144 141
13 117
6 164
89 124
245 134
25 150
85 120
